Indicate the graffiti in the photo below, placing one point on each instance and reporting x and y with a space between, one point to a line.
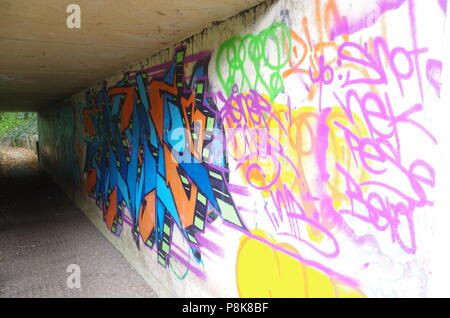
148 152
295 159
433 73
443 5
322 169
287 276
344 25
60 146
239 57
292 145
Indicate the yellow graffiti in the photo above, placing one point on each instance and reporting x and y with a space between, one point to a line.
263 272
291 162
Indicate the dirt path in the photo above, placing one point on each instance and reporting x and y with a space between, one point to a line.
42 233
17 161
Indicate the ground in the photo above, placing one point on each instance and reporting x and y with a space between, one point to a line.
42 233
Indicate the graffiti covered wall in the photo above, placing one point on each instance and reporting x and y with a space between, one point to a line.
290 151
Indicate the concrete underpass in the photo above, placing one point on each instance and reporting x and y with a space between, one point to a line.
233 148
42 233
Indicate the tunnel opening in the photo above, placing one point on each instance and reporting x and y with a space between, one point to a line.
19 129
18 144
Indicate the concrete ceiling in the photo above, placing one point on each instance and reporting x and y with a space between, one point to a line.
43 61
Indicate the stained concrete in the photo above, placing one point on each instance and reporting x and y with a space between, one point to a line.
41 233
43 61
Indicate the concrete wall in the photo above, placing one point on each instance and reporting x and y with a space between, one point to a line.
297 149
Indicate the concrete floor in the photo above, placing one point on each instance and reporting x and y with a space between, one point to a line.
41 233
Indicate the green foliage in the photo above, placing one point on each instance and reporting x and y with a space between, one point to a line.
10 121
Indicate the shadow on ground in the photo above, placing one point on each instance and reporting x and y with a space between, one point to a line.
42 233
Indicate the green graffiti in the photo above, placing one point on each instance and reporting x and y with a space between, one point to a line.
255 61
179 276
